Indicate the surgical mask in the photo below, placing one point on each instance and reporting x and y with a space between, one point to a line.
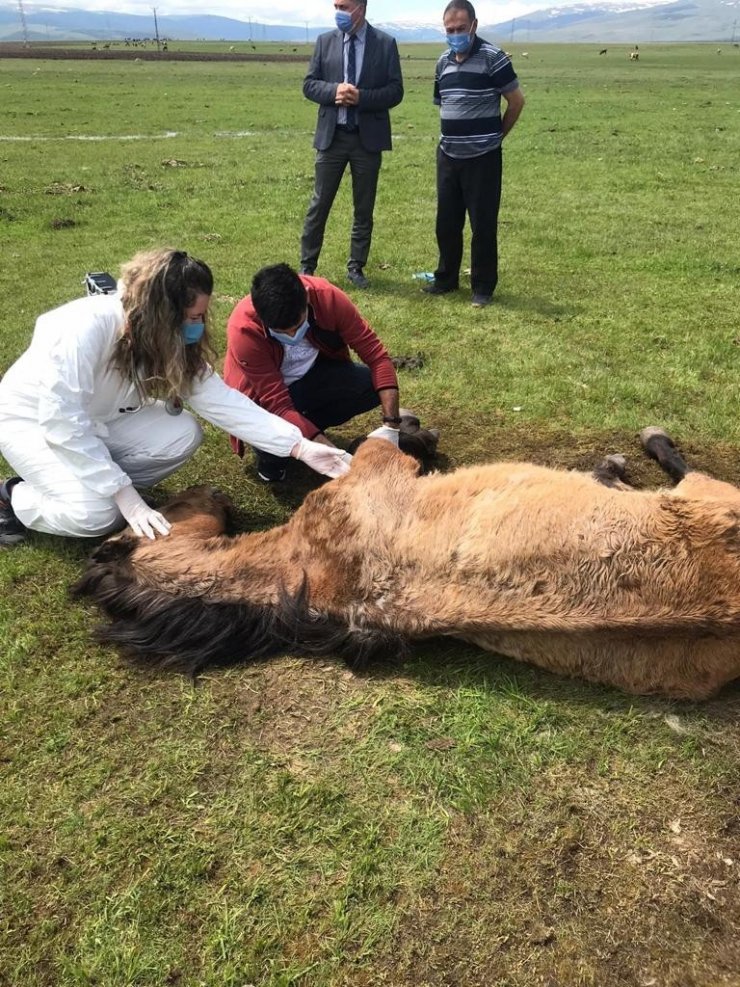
343 20
459 42
192 331
287 340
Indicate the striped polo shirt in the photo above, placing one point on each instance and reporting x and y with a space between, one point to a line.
469 96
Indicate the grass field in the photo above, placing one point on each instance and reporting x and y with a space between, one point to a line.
459 819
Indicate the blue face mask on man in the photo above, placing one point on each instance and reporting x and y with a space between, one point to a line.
343 20
459 42
293 340
192 331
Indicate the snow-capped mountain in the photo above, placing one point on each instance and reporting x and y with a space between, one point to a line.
627 21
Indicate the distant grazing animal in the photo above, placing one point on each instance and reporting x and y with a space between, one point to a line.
579 574
603 51
525 54
634 55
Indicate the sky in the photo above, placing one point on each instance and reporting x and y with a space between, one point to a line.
317 12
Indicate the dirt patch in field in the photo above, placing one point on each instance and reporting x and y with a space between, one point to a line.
581 881
492 439
141 54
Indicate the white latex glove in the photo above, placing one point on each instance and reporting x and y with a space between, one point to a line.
324 459
387 433
144 520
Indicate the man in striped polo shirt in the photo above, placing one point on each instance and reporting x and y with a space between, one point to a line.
470 79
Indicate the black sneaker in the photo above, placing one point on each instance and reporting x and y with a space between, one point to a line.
268 475
435 288
357 278
11 530
305 269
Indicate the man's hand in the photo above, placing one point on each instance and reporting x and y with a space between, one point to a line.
347 95
322 439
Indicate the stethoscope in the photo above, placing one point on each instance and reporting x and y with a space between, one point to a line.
173 406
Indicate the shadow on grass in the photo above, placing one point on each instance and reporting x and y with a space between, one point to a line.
446 663
516 301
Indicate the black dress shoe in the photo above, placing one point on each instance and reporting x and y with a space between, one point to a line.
435 288
357 278
11 530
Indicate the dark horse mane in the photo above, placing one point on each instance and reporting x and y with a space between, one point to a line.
189 634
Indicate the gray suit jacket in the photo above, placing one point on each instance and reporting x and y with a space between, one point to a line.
380 85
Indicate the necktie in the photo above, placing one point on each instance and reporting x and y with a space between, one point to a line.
351 78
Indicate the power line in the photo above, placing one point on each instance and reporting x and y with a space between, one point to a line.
23 23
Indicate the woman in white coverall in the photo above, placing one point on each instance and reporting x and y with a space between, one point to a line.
93 408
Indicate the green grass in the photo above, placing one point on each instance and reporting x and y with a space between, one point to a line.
456 819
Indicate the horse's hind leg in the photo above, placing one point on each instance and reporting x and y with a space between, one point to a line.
691 483
612 472
661 447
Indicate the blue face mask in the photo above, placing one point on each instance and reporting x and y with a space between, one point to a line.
192 331
287 340
459 42
343 20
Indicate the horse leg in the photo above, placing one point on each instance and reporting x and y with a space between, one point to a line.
612 472
661 447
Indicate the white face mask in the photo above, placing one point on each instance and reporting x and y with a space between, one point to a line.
285 339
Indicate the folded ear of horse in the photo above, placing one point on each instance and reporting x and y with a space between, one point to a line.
636 589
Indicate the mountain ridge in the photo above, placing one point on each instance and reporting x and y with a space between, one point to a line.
609 21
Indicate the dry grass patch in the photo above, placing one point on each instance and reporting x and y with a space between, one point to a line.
581 880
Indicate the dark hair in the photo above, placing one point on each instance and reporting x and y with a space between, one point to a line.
278 296
184 278
465 5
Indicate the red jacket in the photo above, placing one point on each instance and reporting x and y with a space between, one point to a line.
253 357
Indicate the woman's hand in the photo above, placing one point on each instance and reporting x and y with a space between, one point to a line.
327 460
142 519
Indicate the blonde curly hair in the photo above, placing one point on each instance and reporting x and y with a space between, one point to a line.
157 286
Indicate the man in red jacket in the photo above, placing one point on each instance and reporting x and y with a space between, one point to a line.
288 349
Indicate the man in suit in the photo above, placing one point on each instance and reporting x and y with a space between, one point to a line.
355 77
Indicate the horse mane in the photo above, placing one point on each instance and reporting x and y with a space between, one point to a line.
189 634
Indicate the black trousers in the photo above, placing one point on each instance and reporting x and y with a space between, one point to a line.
471 185
331 393
346 149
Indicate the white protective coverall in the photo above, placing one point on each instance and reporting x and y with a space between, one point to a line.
77 431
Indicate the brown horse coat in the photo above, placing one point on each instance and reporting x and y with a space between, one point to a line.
638 589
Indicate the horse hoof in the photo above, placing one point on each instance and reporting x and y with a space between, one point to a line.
654 432
617 462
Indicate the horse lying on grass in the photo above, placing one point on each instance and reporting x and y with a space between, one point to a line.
579 574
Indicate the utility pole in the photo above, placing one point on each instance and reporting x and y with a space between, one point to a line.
24 26
156 27
513 22
250 28
734 25
306 32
